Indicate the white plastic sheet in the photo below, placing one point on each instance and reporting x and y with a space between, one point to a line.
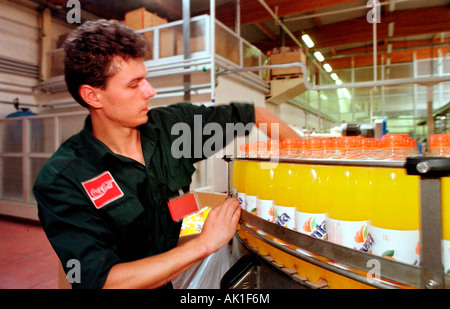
207 273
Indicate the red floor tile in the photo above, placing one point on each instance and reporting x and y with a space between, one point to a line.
27 260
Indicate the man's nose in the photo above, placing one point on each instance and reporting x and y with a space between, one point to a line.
149 91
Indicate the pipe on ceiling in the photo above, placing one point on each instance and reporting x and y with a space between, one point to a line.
425 81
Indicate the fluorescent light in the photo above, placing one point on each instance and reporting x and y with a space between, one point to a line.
307 40
319 56
334 76
343 92
327 67
338 82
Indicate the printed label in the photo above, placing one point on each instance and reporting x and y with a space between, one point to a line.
351 234
250 204
398 245
102 189
241 199
311 224
285 216
446 255
265 210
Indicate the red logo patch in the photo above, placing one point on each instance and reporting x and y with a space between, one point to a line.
102 189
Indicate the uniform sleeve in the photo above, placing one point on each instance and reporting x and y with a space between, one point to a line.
79 236
199 131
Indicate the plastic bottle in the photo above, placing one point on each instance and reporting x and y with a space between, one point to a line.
261 149
315 147
310 213
445 193
302 151
440 145
289 148
329 148
394 147
239 175
284 196
237 188
273 148
349 187
251 185
265 190
347 148
394 207
370 149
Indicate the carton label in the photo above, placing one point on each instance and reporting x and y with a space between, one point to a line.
250 204
265 210
311 224
285 216
402 246
351 234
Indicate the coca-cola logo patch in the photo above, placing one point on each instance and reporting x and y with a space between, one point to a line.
102 189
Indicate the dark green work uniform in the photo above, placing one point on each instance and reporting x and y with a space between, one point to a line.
99 209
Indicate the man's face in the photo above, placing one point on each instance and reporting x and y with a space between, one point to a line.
126 98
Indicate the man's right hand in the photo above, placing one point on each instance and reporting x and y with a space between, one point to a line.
220 225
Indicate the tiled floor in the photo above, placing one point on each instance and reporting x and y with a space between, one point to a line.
27 261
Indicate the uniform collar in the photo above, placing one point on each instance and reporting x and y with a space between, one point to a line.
149 138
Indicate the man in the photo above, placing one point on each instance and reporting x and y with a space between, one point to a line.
102 197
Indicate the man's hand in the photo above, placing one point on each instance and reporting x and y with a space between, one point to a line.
220 225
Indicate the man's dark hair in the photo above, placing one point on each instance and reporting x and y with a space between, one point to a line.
90 50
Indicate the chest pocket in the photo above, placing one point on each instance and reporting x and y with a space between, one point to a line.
122 213
180 175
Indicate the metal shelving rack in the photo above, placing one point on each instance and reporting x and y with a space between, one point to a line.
356 264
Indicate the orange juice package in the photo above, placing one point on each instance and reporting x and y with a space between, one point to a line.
239 181
193 224
239 175
284 195
251 185
310 204
394 215
265 192
394 205
347 215
445 189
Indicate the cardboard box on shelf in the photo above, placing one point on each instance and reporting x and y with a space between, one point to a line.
141 18
287 57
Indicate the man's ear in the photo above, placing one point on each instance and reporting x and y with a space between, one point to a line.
90 95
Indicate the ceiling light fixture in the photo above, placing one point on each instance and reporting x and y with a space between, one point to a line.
334 76
319 56
327 67
307 40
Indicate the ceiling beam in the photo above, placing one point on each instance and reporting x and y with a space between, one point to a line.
256 13
426 20
423 49
266 31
